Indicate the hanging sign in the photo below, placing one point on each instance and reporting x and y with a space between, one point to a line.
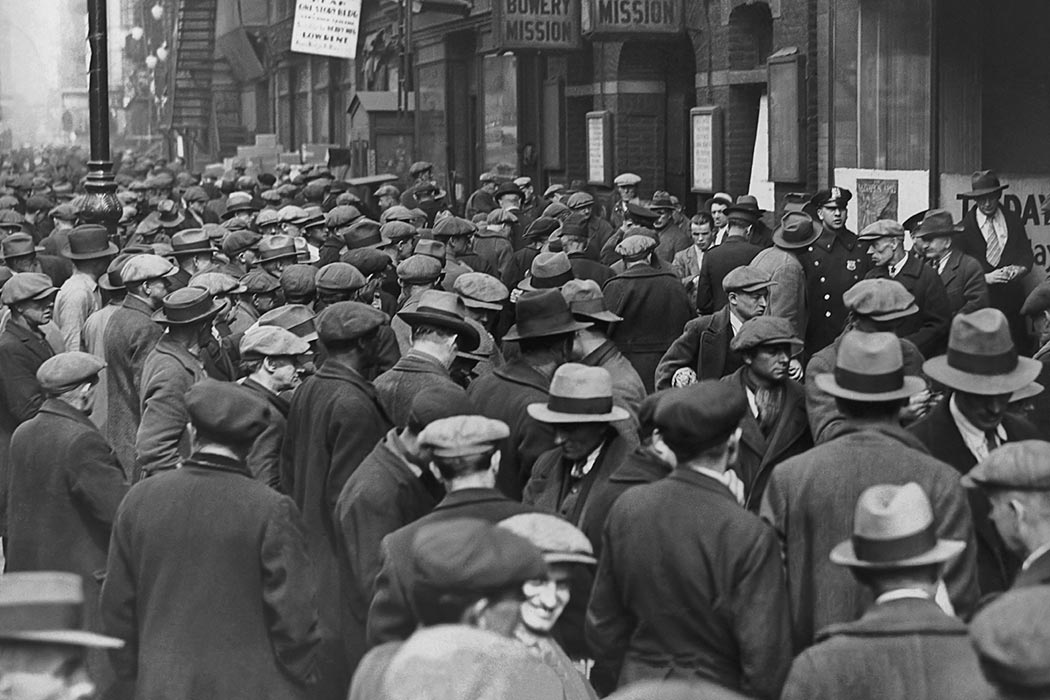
326 27
545 25
613 17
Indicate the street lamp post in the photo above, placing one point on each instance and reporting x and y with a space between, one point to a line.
101 205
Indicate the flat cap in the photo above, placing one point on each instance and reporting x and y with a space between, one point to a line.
226 412
24 286
347 320
38 203
339 277
636 246
880 299
1012 639
297 318
315 189
288 214
764 330
397 213
523 181
236 242
746 279
555 210
499 216
883 228
1015 466
559 540
266 217
271 341
368 261
700 416
419 269
195 194
481 291
140 268
626 180
579 200
299 279
428 246
260 282
63 212
1037 301
438 402
68 370
452 226
397 230
342 216
419 167
217 283
387 190
542 228
459 436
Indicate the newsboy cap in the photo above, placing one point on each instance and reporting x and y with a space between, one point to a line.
271 341
226 412
26 286
560 541
260 282
419 269
764 330
481 291
636 246
345 321
883 228
1012 639
368 261
627 180
746 279
880 299
452 226
217 283
339 277
68 370
1014 466
397 230
698 417
143 267
459 436
236 242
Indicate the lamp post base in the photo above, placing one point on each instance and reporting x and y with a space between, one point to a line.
100 205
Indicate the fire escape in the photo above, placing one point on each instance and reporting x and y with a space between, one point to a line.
191 76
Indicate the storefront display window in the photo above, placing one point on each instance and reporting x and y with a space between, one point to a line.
501 114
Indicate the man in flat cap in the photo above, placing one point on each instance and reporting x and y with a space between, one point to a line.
533 240
420 172
458 235
833 263
599 230
928 328
387 196
394 486
703 349
732 253
481 200
904 646
1016 480
810 498
574 239
981 371
626 185
334 422
669 537
652 303
1013 643
261 294
20 255
465 451
671 236
962 276
209 580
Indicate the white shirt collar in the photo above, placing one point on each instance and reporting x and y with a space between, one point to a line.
896 268
943 262
728 478
972 435
903 594
581 470
735 322
1036 553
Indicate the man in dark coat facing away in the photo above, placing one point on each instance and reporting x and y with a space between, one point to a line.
65 486
733 252
209 581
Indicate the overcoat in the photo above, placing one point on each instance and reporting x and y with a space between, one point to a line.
833 263
702 346
811 499
414 372
210 584
95 343
505 395
654 308
599 231
493 246
928 328
672 239
964 283
787 296
392 615
900 650
583 268
719 262
628 388
996 564
721 612
1037 573
264 460
169 372
687 268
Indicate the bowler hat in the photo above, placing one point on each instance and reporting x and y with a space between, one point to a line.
560 541
68 370
893 528
983 183
797 230
548 271
190 242
365 233
1012 639
542 314
981 357
444 310
18 245
277 247
227 412
47 607
459 436
88 242
936 222
185 306
27 286
481 291
1015 466
869 367
586 300
578 394
297 318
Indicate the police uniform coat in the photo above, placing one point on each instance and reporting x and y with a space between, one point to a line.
654 308
415 371
392 616
810 500
683 544
704 347
964 283
210 584
996 564
900 650
719 262
928 329
169 372
833 263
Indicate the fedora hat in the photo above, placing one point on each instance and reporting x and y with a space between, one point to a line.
444 310
741 213
548 271
797 230
586 299
579 394
983 182
869 367
661 201
168 214
47 607
276 248
190 242
936 222
185 306
893 528
87 242
237 206
18 245
542 314
981 357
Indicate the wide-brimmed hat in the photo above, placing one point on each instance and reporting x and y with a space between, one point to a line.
548 271
983 182
661 201
981 357
46 607
444 310
88 242
191 242
936 222
237 206
18 245
893 528
542 314
797 230
743 214
276 248
185 306
168 214
586 299
579 394
869 367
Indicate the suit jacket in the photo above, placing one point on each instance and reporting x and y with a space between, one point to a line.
687 267
760 453
719 262
900 650
210 584
996 564
505 395
169 372
787 296
703 345
654 308
928 329
811 498
964 283
414 372
392 615
686 537
833 263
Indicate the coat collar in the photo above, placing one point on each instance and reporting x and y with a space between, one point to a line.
646 270
828 238
899 617
465 497
336 369
133 303
519 372
275 400
217 463
37 344
1037 573
790 423
641 466
912 268
702 481
418 362
167 346
893 432
57 407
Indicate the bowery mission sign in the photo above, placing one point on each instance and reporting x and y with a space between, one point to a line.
548 25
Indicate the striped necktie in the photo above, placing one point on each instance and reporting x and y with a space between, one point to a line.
994 249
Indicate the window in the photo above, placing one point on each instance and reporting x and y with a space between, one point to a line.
501 114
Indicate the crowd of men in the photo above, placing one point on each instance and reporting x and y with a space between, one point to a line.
269 439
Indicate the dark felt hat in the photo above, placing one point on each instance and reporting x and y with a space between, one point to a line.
444 310
983 183
542 314
700 416
89 242
185 306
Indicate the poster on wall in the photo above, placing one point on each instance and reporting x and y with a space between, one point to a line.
883 194
599 148
705 146
326 27
875 199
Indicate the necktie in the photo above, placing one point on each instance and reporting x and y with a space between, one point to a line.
991 439
994 250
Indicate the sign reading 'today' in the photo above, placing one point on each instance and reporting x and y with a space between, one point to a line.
326 27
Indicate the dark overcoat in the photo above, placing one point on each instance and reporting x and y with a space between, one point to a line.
721 610
264 460
162 439
654 308
392 615
996 564
628 388
703 346
833 263
928 328
211 586
583 268
900 650
810 500
964 283
672 239
1037 573
719 262
414 372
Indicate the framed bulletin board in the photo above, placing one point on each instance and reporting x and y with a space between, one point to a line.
787 110
599 148
705 149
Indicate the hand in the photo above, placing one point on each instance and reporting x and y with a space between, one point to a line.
916 407
515 294
795 370
1001 276
684 377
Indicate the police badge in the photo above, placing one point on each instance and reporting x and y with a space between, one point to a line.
851 265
